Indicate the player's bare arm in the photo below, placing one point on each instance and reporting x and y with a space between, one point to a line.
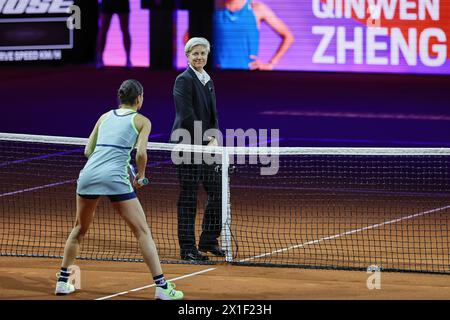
144 126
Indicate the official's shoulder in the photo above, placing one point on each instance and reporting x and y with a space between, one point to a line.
184 78
184 74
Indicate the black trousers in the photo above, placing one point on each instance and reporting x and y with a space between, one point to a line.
190 176
115 6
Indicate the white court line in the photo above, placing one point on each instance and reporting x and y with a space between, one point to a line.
36 188
346 233
360 115
412 216
152 285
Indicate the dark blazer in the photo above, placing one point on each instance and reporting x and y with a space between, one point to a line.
191 103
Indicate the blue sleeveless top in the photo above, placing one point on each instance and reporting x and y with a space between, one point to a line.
106 171
236 37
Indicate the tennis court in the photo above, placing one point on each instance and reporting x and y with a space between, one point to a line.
33 278
323 213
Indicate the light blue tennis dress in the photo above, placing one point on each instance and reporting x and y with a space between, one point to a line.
106 171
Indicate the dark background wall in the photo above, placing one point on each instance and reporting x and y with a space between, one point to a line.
308 108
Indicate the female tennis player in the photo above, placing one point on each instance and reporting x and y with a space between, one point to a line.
108 150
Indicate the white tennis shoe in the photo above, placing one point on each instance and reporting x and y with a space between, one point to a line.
64 288
168 294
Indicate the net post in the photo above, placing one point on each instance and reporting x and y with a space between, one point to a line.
226 208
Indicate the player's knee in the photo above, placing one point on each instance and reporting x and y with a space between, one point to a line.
83 231
79 232
141 231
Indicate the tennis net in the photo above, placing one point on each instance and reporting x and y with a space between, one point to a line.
334 208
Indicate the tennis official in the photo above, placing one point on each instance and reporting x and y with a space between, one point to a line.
195 100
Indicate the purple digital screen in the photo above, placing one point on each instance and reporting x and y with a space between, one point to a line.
386 36
393 36
114 54
182 29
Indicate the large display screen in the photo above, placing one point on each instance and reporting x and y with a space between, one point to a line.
139 22
47 31
398 36
35 30
393 36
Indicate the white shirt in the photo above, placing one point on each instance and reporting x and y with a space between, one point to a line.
202 76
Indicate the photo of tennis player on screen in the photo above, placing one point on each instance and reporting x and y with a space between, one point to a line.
237 26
